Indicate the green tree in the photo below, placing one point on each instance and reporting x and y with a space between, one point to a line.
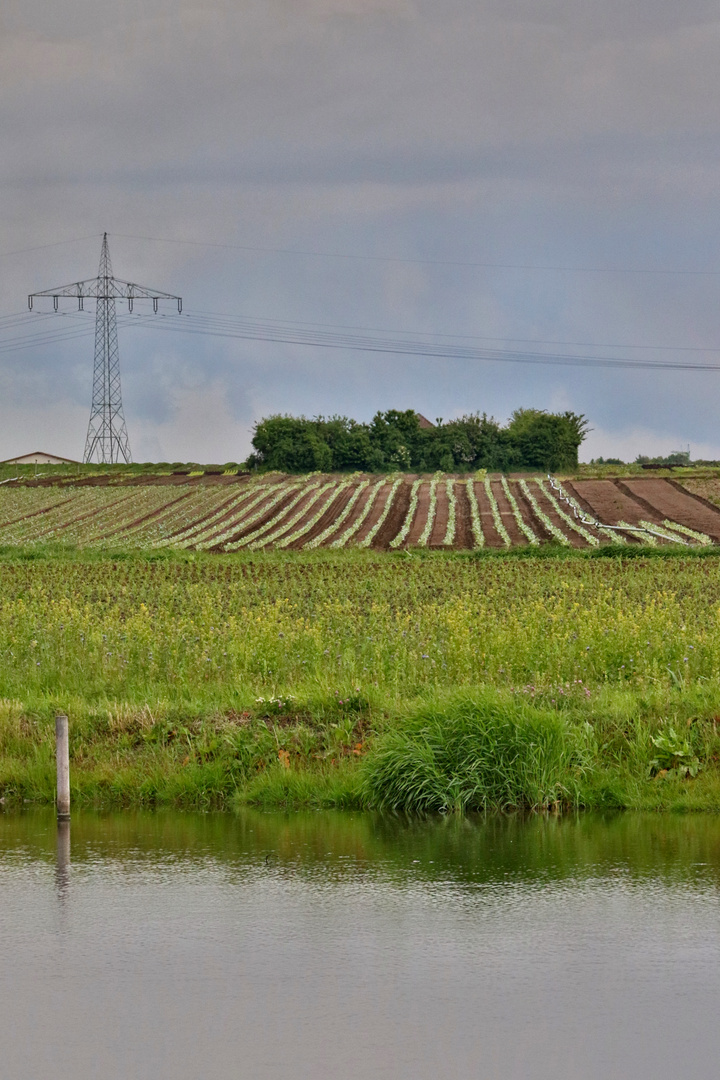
547 440
394 440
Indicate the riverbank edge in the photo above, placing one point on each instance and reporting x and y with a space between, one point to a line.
332 757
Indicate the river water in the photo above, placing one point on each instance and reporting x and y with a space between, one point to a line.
309 946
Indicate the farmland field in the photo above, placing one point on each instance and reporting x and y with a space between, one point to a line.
196 676
240 513
353 639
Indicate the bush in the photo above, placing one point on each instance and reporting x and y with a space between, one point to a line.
548 441
478 753
395 440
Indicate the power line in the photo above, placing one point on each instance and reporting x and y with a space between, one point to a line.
258 331
306 253
43 247
306 334
462 337
36 342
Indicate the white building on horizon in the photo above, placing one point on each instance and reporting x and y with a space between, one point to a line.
39 457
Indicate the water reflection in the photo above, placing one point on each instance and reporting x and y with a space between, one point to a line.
469 851
62 860
333 945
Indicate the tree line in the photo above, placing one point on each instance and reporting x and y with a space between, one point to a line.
398 441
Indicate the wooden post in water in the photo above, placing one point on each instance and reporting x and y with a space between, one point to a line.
63 767
62 863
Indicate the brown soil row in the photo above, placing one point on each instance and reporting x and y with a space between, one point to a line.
463 520
575 539
442 513
265 519
506 515
393 522
108 480
283 526
35 513
336 507
669 500
158 512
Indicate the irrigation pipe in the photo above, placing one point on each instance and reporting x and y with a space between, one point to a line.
558 488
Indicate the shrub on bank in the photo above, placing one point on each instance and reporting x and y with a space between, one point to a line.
475 753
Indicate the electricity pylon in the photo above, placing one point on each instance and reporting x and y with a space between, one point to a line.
107 437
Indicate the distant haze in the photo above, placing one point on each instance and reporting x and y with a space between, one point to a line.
533 133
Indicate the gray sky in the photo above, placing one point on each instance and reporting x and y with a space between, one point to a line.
533 133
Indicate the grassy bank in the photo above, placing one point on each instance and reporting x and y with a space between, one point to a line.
473 751
356 679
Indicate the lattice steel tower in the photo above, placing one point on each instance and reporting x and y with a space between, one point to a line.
107 437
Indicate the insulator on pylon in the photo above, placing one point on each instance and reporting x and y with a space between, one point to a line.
80 303
55 302
155 304
179 305
29 303
130 304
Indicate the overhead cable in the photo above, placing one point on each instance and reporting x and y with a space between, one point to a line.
354 256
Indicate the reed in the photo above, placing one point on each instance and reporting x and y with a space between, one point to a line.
478 752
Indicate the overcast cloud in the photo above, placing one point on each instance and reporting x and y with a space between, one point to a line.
514 132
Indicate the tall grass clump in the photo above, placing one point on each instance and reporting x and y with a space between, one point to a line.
478 752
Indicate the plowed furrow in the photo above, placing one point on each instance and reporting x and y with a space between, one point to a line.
393 522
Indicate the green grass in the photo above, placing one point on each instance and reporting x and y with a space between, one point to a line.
460 752
479 752
434 681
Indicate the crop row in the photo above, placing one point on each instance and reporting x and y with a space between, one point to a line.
322 511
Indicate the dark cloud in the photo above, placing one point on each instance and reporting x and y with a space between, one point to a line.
531 132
